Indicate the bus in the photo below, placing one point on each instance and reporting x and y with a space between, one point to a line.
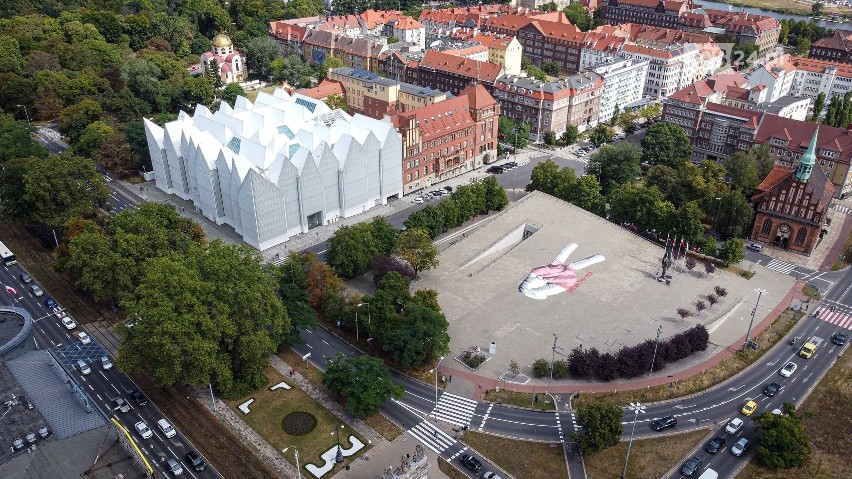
7 256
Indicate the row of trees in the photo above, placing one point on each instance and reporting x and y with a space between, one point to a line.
629 361
465 203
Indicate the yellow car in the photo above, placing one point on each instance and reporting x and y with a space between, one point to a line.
749 408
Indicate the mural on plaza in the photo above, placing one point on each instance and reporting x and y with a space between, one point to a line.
557 276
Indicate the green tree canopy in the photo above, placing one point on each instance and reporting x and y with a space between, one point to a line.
231 92
742 170
351 249
421 337
364 381
781 441
415 247
570 135
61 187
601 426
260 52
601 135
16 141
615 165
495 195
731 251
666 144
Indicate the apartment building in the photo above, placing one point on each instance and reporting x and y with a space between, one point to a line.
777 74
445 72
357 53
448 138
465 49
837 47
542 41
658 13
670 68
503 50
375 96
623 84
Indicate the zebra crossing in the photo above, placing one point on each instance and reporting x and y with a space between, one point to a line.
454 409
781 266
841 209
836 318
431 437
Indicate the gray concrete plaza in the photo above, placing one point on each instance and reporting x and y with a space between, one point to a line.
616 302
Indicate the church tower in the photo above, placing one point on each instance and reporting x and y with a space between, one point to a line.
803 172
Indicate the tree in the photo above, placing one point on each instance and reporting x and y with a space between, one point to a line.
586 194
720 291
495 195
260 51
817 9
541 368
329 63
392 39
601 424
712 299
351 249
61 187
666 144
819 104
570 135
515 135
337 102
626 120
231 92
549 138
687 222
601 135
690 263
615 165
742 169
514 368
384 234
642 206
700 306
364 381
77 117
534 72
616 114
421 337
579 16
684 313
781 440
116 155
709 268
731 251
416 248
735 214
16 141
551 68
292 70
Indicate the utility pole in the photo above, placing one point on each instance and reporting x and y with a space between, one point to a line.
553 353
656 344
760 292
636 408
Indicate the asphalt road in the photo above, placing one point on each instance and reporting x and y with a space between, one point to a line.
101 386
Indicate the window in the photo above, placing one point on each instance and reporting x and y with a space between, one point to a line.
767 227
801 235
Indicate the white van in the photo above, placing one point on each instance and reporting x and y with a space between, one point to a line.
709 474
167 428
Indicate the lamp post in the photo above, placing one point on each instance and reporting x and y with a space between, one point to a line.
298 469
369 323
338 458
718 211
436 387
760 292
27 113
656 344
636 408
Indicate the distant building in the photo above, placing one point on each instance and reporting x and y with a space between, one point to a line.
359 53
670 68
444 72
543 41
658 13
623 85
448 138
229 65
836 47
277 167
377 97
791 202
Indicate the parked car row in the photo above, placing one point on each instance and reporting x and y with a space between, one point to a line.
497 169
433 194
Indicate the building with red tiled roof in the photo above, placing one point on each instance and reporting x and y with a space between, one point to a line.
324 90
659 13
289 36
359 53
792 201
503 50
448 138
450 73
836 47
543 41
747 28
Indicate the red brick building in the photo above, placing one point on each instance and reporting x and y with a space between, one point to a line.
448 138
791 203
836 47
450 73
543 41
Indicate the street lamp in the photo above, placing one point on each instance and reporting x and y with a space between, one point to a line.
656 344
338 458
369 323
718 210
436 386
636 408
27 113
760 292
298 469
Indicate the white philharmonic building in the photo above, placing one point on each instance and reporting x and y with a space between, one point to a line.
277 167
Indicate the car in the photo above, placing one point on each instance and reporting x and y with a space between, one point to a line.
36 290
749 408
167 428
739 447
25 278
734 425
840 339
50 303
417 201
83 337
106 363
690 467
771 389
138 398
68 323
195 461
471 462
788 369
663 423
491 475
143 430
755 247
121 405
83 367
715 445
174 466
449 188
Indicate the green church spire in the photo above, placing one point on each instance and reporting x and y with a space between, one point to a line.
808 159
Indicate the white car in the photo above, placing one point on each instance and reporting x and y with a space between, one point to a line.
167 428
734 425
68 323
788 370
83 337
143 430
417 201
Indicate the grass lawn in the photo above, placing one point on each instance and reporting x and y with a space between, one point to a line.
648 457
522 459
513 398
449 470
828 424
252 95
786 6
270 408
701 381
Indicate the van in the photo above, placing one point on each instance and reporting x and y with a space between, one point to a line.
167 428
709 474
84 368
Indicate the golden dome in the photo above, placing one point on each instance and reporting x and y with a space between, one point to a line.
222 41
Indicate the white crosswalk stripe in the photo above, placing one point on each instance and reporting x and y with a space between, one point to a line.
842 209
780 266
836 318
432 437
454 409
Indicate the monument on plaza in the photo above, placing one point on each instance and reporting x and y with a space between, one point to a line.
413 467
557 276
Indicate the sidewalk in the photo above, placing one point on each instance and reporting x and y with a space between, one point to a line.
390 454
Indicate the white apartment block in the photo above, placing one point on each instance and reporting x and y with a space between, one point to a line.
670 68
624 83
277 167
777 74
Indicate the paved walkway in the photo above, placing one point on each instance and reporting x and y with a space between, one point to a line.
390 454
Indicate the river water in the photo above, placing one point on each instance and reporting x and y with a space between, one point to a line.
760 11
